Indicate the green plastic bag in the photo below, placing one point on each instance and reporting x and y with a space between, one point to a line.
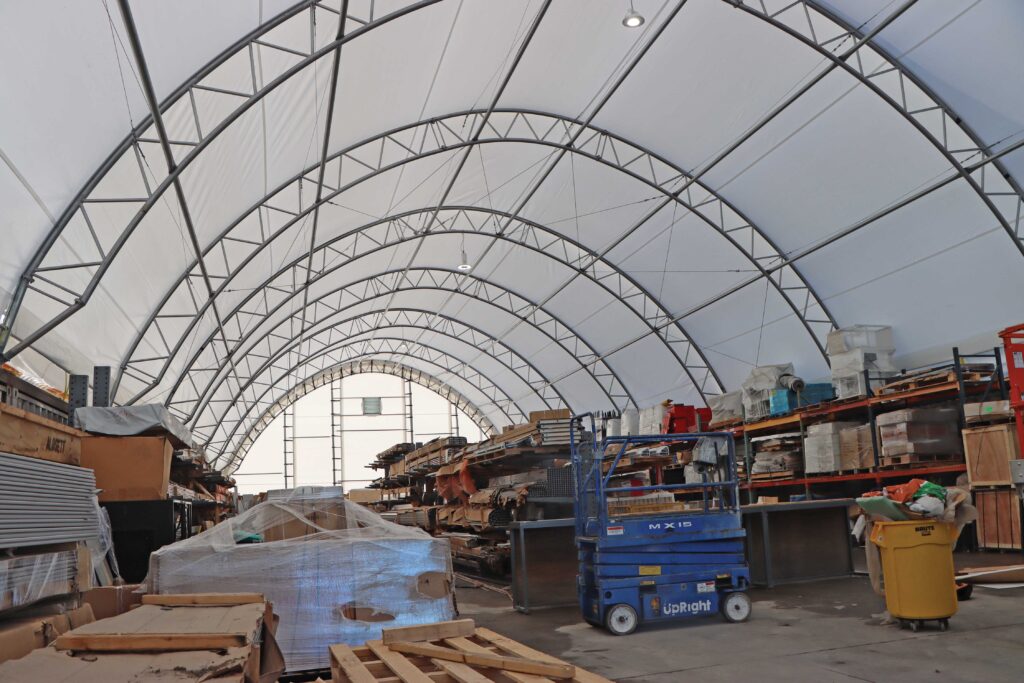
930 489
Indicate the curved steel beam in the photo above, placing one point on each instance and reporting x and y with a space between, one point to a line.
369 289
401 318
809 22
620 286
132 152
376 155
325 377
345 351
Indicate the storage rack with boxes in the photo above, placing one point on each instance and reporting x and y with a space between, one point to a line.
471 493
926 422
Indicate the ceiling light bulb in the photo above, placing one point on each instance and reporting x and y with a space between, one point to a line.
633 19
464 265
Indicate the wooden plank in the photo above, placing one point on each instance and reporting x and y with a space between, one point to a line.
146 642
345 661
460 672
437 631
487 660
402 667
34 436
467 645
219 599
509 645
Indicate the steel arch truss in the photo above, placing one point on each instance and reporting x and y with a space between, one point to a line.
60 280
872 66
325 377
323 310
218 436
221 436
212 411
347 169
404 227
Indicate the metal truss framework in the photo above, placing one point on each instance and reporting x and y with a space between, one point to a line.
877 69
324 311
213 411
458 220
440 363
369 159
377 155
56 283
357 367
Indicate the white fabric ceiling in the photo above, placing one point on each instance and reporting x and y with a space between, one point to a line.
649 212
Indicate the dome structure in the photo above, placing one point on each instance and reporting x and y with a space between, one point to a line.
524 205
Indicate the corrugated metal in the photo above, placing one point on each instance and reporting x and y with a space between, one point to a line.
45 502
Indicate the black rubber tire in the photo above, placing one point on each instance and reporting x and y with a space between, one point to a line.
915 625
943 624
621 619
964 591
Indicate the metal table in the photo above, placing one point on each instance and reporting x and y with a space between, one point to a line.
802 541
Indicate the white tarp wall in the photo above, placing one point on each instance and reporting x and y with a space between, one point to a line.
648 212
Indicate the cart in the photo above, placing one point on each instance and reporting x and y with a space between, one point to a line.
666 551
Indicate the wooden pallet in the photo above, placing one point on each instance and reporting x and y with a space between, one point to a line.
645 509
980 373
449 651
887 462
773 476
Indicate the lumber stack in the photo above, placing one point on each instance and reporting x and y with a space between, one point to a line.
219 637
451 650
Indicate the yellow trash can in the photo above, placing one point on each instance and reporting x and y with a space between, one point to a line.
917 568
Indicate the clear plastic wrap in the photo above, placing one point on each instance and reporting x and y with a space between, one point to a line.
335 571
29 578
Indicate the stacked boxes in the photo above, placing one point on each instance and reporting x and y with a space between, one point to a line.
822 447
856 349
989 451
916 434
855 448
758 388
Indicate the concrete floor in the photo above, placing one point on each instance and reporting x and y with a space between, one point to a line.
822 632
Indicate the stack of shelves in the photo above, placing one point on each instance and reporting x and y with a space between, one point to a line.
973 377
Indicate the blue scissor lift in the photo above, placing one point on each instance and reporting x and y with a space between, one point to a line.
659 566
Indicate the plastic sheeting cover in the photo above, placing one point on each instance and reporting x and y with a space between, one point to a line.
151 418
335 571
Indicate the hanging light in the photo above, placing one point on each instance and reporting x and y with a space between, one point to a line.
464 265
633 19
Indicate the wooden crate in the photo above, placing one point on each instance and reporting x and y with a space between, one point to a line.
34 436
988 451
999 519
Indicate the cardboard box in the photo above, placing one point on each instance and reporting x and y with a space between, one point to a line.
129 467
24 433
363 495
21 636
855 448
988 410
109 601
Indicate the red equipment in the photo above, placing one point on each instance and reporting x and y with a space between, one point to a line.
685 419
1013 343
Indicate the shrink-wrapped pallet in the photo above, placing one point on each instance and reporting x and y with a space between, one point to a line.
335 571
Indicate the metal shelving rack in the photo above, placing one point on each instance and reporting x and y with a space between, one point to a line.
870 406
